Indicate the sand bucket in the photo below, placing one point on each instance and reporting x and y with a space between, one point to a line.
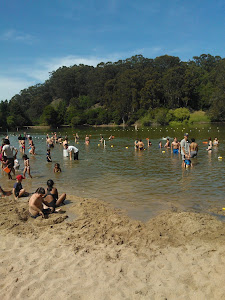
7 170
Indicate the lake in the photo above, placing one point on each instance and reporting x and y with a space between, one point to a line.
141 182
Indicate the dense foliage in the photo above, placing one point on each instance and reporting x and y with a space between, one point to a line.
124 91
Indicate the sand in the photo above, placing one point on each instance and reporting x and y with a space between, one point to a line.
100 253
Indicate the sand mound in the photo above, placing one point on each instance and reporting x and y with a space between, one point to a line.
103 254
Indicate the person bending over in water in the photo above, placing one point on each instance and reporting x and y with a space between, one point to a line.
193 148
52 197
175 146
36 204
57 168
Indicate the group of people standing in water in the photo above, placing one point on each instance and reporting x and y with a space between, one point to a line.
46 200
188 149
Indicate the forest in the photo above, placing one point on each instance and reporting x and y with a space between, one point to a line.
161 90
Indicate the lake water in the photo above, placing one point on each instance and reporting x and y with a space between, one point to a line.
141 182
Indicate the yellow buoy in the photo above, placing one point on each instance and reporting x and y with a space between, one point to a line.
223 208
220 157
98 144
163 151
126 147
112 146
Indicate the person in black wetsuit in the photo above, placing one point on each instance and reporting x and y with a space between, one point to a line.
51 195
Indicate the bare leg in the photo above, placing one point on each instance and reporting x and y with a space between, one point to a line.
60 200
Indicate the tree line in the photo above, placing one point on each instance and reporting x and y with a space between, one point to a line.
121 92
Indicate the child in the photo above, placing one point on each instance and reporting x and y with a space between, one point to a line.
57 168
26 166
187 161
48 156
18 190
5 166
16 164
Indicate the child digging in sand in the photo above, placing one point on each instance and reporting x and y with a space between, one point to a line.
26 166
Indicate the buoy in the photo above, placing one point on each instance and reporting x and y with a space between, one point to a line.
223 208
163 151
112 146
98 144
126 147
219 157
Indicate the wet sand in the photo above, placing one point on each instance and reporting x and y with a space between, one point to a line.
100 253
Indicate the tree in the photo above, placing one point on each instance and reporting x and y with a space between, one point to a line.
50 116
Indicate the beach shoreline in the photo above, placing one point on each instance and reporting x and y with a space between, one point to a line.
100 253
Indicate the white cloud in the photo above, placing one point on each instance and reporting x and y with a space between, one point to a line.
11 86
16 36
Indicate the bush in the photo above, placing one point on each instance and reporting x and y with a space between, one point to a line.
199 116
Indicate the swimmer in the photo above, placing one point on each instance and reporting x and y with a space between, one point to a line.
136 144
48 156
140 145
167 144
57 168
215 142
193 148
160 144
76 138
87 140
26 166
101 139
209 144
149 142
175 146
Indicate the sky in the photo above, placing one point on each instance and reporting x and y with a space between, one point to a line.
38 37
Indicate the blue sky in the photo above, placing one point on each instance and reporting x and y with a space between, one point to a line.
37 37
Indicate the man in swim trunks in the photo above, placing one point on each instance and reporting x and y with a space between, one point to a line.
193 148
175 146
185 148
36 204
140 145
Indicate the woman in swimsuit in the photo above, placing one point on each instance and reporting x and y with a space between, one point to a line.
209 144
51 195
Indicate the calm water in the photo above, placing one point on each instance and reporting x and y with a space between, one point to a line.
143 183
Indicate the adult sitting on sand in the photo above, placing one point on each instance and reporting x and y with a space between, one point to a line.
51 195
36 204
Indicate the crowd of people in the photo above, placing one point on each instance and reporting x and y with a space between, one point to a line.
46 200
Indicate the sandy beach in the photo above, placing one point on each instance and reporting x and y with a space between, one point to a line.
100 253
